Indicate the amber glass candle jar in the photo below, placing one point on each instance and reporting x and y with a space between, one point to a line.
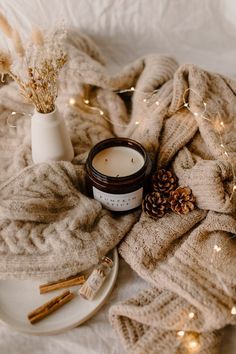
117 173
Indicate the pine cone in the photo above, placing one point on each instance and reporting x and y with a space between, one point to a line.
154 205
181 200
164 182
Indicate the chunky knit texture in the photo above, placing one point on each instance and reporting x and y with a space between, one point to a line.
176 253
50 228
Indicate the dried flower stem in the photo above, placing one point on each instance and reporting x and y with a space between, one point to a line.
43 60
16 79
17 42
5 26
37 37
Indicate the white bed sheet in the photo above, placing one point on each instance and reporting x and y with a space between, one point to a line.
200 32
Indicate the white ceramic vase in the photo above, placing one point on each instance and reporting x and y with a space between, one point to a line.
50 140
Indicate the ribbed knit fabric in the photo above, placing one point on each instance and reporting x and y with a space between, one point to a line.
176 253
50 228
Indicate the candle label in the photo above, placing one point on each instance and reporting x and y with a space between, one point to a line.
119 202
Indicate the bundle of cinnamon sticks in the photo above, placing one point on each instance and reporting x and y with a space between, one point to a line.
58 301
89 289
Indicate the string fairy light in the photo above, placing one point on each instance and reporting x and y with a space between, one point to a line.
191 340
186 104
14 115
85 104
181 333
233 310
220 127
149 97
191 315
217 248
72 101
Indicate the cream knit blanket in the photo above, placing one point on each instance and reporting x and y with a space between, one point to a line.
50 228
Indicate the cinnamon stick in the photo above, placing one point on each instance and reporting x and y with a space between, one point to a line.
50 306
62 283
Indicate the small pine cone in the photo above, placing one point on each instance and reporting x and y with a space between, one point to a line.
181 201
154 205
164 182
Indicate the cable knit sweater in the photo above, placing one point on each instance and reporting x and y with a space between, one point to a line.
49 228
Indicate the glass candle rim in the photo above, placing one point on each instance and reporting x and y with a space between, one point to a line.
111 142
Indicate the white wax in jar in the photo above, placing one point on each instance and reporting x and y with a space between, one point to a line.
118 161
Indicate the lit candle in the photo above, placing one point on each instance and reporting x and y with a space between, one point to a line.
118 161
117 169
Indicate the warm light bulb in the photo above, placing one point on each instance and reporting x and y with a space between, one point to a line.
195 113
72 101
191 315
101 113
233 310
137 123
157 103
217 248
193 344
185 105
132 88
180 333
86 101
222 145
144 100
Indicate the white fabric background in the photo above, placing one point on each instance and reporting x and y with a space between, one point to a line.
201 32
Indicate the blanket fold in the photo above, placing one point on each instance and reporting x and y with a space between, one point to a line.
190 260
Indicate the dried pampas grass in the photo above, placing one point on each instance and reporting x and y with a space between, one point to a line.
41 62
5 26
17 42
5 63
37 37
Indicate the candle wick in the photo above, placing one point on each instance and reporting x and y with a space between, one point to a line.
117 175
132 160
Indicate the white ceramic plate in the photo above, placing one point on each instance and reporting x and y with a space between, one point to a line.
19 297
